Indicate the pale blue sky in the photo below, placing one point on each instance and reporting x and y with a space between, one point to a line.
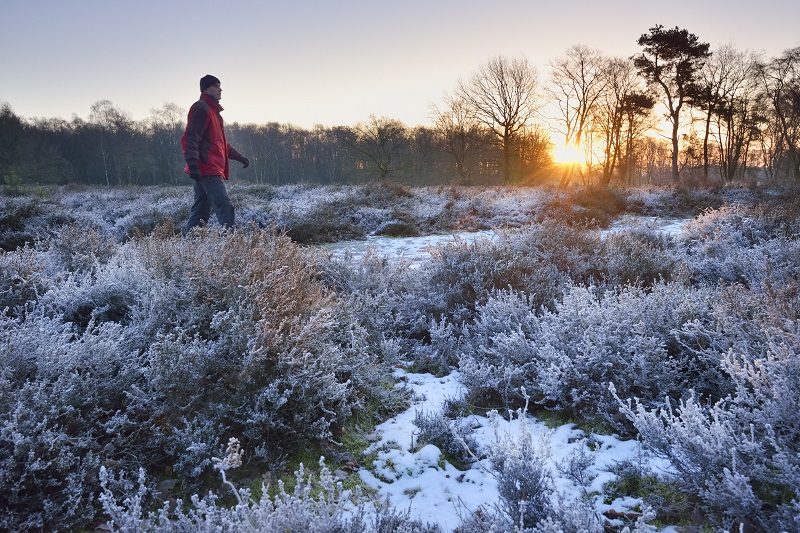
327 62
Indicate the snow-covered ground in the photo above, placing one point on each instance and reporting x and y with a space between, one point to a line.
434 491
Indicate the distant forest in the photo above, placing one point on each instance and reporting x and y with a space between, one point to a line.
675 112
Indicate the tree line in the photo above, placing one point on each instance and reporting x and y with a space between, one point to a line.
675 111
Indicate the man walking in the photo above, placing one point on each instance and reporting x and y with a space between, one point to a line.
207 153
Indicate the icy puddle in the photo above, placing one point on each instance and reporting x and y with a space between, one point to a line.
412 249
415 249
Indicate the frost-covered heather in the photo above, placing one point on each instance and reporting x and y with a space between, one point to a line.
657 201
125 345
315 505
566 358
584 322
314 214
148 355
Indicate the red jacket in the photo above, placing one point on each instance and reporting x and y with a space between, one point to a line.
204 146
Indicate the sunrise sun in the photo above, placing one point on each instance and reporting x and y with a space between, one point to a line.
566 154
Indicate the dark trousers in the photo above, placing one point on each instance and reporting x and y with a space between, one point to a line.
210 194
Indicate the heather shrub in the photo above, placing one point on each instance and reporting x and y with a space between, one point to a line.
17 221
571 251
317 503
738 455
524 483
386 192
452 437
161 353
523 487
382 294
584 206
61 396
537 259
22 280
637 257
735 456
124 212
289 359
461 274
496 351
108 295
348 213
423 309
426 308
745 225
474 215
565 358
77 248
738 245
446 291
608 202
323 224
677 202
400 226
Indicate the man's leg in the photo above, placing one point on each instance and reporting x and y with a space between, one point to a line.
219 200
201 209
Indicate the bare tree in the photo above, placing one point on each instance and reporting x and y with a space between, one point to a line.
726 93
780 87
381 141
502 95
625 114
717 85
115 128
535 154
165 127
459 132
670 61
577 82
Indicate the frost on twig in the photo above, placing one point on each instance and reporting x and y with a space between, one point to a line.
232 459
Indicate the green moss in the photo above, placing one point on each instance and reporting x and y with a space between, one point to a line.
457 462
353 442
257 489
353 483
670 504
556 419
774 493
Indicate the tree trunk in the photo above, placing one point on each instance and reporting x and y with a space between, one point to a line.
705 146
675 153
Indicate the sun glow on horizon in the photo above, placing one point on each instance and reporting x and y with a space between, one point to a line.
567 154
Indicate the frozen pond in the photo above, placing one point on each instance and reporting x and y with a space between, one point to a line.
415 249
670 226
409 248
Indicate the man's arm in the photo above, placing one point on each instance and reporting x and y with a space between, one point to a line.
234 154
196 127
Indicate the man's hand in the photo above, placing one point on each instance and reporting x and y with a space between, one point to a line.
245 162
194 169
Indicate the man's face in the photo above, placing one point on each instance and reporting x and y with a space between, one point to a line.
215 92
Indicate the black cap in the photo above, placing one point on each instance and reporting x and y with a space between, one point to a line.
207 81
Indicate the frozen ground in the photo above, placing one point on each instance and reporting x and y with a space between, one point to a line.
434 491
670 226
411 249
416 249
